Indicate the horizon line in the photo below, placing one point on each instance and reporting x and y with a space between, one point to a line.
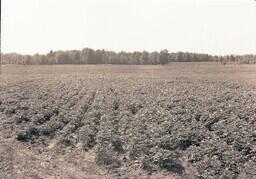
126 51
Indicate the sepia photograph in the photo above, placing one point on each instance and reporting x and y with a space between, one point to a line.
128 89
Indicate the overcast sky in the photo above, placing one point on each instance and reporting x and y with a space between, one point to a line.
208 26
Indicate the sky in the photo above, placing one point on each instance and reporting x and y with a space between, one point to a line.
217 27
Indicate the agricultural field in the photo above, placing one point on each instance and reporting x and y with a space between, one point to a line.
182 120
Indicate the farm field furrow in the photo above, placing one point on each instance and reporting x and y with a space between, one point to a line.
193 120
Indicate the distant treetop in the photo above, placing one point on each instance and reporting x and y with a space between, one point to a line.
90 56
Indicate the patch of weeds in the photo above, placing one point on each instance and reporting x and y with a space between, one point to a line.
106 156
117 145
172 165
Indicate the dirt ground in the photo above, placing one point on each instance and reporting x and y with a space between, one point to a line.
183 120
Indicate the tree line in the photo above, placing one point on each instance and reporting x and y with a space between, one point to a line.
90 56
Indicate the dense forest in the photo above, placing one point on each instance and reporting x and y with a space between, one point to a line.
90 56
